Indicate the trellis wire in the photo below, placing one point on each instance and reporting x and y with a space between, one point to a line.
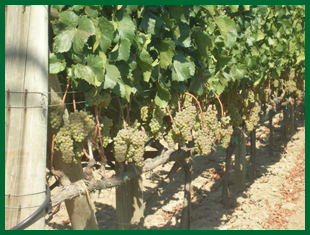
43 106
22 195
51 105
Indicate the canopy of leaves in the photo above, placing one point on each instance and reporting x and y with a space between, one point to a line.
202 48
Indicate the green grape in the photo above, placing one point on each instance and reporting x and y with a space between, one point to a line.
105 129
251 120
89 123
267 95
145 113
184 122
96 98
56 112
225 120
156 124
203 142
64 143
276 83
138 140
210 119
236 119
290 86
129 144
121 142
251 96
78 150
226 132
82 125
77 126
298 94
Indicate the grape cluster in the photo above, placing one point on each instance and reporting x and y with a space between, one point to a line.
290 86
298 94
97 98
203 142
64 143
68 138
184 122
121 143
248 98
105 129
81 125
56 111
236 118
156 124
251 118
145 113
226 132
129 145
136 148
212 128
276 83
267 95
211 120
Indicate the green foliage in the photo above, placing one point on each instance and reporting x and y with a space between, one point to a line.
156 51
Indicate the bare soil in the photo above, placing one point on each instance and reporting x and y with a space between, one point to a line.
274 200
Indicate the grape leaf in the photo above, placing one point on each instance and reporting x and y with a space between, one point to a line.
183 39
151 23
91 71
250 61
182 69
204 43
57 63
105 35
145 61
234 8
259 35
209 8
167 51
218 83
300 58
72 30
238 71
126 27
122 52
176 11
227 29
198 84
162 95
113 81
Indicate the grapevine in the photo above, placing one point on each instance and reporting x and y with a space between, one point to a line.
167 72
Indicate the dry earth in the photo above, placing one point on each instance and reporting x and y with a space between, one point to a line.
274 200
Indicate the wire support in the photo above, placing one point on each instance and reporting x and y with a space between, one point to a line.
43 93
19 207
22 195
43 106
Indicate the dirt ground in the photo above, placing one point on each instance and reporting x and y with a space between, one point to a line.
274 200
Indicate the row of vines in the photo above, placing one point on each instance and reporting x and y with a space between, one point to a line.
183 79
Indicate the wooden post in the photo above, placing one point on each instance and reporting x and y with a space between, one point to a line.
285 123
186 211
225 188
253 155
271 149
129 204
292 119
26 77
80 210
240 167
